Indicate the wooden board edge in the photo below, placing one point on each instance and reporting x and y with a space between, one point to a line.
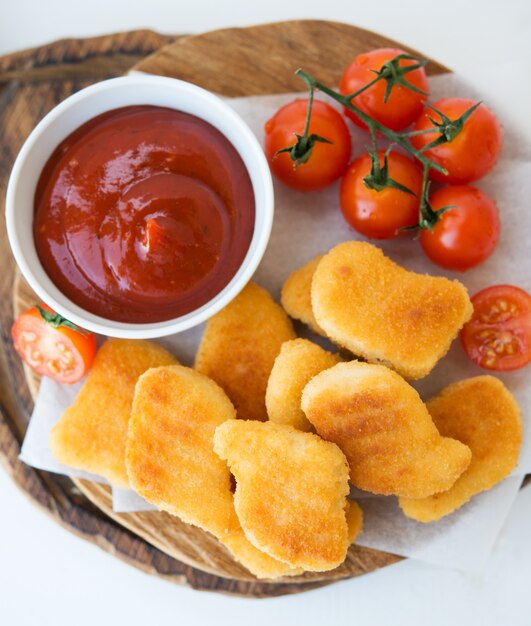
42 76
207 71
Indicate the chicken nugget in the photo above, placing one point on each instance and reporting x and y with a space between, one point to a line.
239 347
92 433
354 515
171 462
385 313
482 413
384 429
298 361
169 457
257 562
291 490
296 295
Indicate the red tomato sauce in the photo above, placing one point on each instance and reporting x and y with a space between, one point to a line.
143 214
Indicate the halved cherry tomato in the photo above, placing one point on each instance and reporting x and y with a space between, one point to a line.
52 348
403 105
473 151
465 235
498 337
380 214
327 161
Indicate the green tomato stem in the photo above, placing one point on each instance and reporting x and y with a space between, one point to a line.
372 124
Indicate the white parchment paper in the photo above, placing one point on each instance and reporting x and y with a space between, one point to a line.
52 400
309 224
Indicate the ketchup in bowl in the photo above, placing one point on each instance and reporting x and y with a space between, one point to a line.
143 214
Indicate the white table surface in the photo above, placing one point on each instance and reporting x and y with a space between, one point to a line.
50 577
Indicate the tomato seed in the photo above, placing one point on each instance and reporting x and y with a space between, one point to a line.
66 358
28 336
53 367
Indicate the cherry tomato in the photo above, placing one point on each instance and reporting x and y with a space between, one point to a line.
379 214
498 337
466 235
327 161
52 348
403 105
472 153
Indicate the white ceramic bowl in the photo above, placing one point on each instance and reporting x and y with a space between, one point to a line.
79 108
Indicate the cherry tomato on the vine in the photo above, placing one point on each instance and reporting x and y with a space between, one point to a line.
327 161
380 214
403 105
498 337
465 235
53 348
472 152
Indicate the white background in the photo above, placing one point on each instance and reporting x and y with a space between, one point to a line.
48 576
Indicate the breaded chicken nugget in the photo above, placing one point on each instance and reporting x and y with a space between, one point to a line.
171 462
169 457
291 490
483 414
378 310
91 433
257 562
239 347
298 361
384 429
296 295
354 515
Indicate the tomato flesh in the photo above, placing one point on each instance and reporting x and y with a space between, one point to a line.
498 337
59 353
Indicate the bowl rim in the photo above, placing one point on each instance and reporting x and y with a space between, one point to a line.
255 252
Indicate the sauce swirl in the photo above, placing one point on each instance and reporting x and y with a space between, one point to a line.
143 214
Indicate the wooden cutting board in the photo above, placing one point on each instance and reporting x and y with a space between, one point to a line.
232 62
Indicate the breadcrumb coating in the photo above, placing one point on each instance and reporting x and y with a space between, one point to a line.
92 433
384 429
385 313
482 413
239 347
298 362
296 295
291 490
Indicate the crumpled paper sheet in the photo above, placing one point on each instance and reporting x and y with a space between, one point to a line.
309 224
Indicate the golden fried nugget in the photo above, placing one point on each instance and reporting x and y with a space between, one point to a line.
171 462
354 515
378 310
482 413
239 347
91 433
296 295
169 457
384 429
298 361
257 562
291 490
